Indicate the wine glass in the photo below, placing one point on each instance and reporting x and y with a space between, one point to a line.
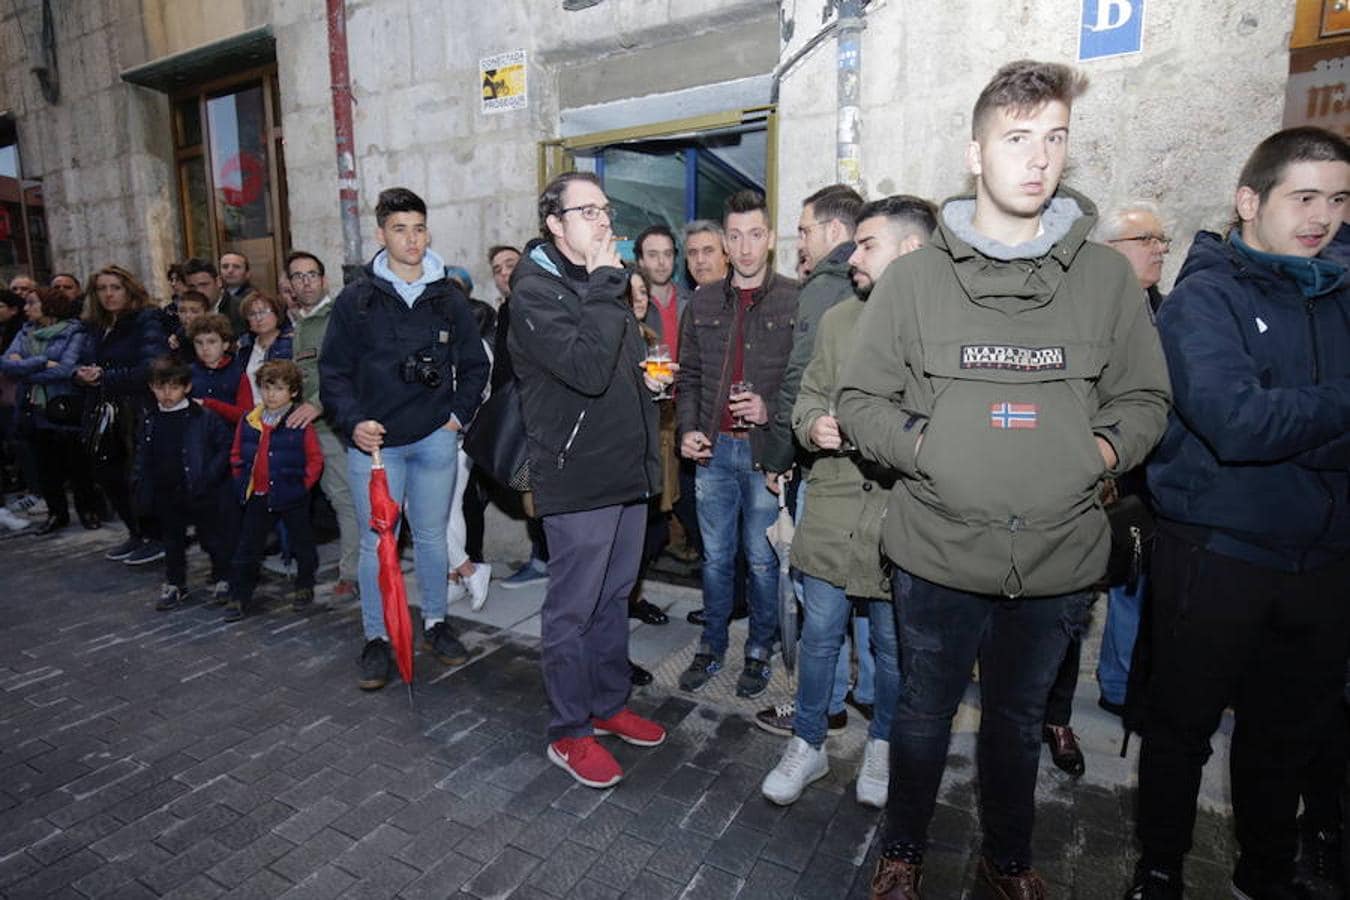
657 365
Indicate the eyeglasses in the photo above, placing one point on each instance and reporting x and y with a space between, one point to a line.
305 277
804 230
1160 239
590 212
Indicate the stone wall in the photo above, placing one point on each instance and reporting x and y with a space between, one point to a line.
103 151
1172 124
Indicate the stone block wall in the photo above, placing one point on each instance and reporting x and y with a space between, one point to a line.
1172 124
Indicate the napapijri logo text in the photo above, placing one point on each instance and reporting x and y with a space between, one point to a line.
1003 356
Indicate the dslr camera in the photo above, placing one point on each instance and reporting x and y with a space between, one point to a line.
420 367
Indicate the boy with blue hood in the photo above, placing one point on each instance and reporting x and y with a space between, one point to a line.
402 370
1251 568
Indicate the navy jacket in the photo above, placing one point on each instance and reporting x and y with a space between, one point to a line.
1256 457
206 456
589 418
370 333
126 351
294 461
220 384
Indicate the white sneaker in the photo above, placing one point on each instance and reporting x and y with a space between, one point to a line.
456 590
801 764
278 566
874 775
28 505
477 584
11 521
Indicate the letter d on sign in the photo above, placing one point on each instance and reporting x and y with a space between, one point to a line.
1110 28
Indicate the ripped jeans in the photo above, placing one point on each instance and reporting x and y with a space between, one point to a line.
1020 644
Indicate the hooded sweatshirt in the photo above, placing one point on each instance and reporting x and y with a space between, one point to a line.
1010 361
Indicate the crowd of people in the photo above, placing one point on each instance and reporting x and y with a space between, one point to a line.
955 401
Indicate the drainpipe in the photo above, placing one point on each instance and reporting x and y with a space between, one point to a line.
848 158
340 76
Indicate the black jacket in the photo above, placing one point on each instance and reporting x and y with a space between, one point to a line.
369 335
125 353
206 456
578 354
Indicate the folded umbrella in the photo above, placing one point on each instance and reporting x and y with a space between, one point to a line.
780 537
384 515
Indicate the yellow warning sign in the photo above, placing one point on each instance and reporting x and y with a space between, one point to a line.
503 81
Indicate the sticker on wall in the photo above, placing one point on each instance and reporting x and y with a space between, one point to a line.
1110 28
503 79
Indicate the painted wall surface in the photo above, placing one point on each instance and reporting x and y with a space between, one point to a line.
1172 124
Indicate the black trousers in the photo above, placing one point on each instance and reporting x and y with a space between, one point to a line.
1272 645
175 511
1059 706
256 524
61 459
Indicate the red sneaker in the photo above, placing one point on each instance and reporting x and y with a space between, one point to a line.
630 727
585 760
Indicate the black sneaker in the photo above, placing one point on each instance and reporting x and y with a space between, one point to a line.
146 552
703 667
375 665
170 597
234 611
302 599
123 550
754 678
1154 884
443 644
864 708
778 719
1320 854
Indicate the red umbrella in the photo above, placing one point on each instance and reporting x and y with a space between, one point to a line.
384 515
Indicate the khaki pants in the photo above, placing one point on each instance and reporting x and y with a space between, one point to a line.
339 493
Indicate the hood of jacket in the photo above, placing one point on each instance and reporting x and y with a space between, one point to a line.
834 263
1313 277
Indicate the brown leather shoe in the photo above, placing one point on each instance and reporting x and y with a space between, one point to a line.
1064 749
896 879
1025 885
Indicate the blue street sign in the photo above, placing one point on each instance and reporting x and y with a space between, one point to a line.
1110 28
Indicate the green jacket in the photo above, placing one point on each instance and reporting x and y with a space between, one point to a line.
1008 361
827 284
839 537
306 346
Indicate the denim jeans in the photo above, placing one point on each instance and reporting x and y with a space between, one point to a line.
422 477
1122 627
734 509
824 625
1019 644
864 691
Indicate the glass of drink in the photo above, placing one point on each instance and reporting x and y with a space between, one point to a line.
657 365
739 389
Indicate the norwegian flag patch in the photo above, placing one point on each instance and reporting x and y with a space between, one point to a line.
1013 415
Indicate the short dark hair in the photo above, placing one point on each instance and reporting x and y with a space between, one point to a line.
500 248
175 270
303 254
397 200
213 323
906 212
838 202
283 371
240 254
197 264
167 370
657 230
55 305
551 202
1024 86
744 202
10 299
63 275
194 297
1265 167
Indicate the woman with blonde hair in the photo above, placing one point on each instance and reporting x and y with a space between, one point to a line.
125 332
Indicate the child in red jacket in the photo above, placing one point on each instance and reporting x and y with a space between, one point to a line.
274 468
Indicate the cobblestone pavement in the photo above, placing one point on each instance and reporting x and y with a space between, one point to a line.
166 754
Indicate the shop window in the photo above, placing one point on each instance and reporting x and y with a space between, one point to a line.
24 248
